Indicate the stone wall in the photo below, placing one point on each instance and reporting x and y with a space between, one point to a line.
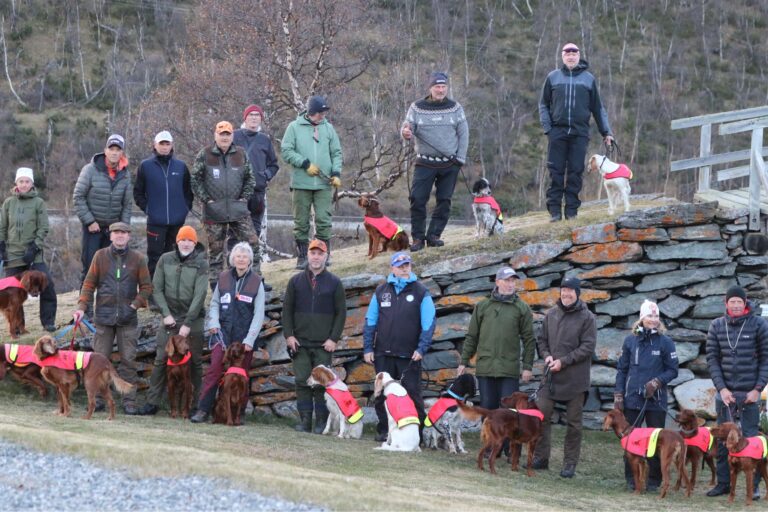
682 256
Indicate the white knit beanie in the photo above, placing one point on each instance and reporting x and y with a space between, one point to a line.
648 308
25 172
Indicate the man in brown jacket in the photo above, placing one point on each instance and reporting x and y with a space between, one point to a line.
567 342
119 277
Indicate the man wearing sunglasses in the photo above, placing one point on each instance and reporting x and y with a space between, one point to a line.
399 325
569 96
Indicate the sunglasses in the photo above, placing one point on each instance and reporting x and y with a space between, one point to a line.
571 50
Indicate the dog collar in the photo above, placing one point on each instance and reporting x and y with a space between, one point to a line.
334 381
454 395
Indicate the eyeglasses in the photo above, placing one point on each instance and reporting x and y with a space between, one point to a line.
571 50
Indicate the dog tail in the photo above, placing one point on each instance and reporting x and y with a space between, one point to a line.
472 413
122 386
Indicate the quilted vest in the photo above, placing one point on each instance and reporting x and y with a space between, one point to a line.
402 410
622 172
641 441
757 448
490 201
224 175
347 403
399 324
702 439
236 306
384 225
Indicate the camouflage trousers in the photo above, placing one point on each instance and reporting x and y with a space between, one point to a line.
218 254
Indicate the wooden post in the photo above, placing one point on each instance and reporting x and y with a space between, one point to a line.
754 178
705 148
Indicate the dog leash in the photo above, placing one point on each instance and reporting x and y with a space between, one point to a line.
74 328
535 395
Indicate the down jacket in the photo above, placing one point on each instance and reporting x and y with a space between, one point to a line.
100 199
737 352
645 355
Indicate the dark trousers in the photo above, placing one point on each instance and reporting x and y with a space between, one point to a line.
565 161
573 415
653 419
213 376
91 243
157 381
48 299
493 389
126 338
160 239
444 181
749 415
257 204
306 358
409 373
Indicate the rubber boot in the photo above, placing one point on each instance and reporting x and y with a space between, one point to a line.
305 417
301 255
328 260
321 417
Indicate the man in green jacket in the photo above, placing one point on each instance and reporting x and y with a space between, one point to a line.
314 312
312 147
499 326
180 285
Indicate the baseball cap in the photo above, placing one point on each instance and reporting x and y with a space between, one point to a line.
115 140
318 244
399 259
224 126
120 226
163 136
506 273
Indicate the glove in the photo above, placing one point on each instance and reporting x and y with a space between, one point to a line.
3 255
30 253
313 170
335 182
651 386
618 401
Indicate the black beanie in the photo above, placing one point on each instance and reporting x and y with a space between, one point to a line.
317 104
736 291
573 283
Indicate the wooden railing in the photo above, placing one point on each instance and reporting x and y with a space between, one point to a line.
736 121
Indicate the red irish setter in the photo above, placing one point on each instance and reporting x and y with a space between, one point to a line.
669 445
736 444
178 374
395 238
22 363
13 293
697 438
61 368
232 387
529 428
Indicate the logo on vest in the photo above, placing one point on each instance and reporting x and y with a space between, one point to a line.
226 298
655 352
409 298
216 173
386 300
244 298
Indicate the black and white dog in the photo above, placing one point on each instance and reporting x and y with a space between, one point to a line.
488 217
443 421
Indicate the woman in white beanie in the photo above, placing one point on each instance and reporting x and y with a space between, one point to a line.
23 228
648 362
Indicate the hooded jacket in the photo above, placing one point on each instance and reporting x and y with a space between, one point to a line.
645 355
261 155
304 143
497 330
568 98
23 219
98 198
180 284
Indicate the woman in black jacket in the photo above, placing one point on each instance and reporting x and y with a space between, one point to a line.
647 364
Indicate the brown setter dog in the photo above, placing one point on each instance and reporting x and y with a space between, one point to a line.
529 428
14 292
232 387
63 369
670 447
374 221
700 443
736 443
23 365
178 374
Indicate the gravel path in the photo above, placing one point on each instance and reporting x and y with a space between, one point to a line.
32 480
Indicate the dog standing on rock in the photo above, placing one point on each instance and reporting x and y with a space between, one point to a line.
615 180
489 220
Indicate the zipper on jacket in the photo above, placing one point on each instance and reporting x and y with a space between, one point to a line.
166 171
569 99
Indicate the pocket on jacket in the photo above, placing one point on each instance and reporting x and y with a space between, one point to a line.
226 210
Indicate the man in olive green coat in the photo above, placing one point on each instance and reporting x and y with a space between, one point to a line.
499 326
312 147
567 343
180 285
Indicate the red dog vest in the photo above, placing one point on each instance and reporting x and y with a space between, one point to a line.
438 409
702 440
641 441
757 449
347 403
68 360
490 201
622 172
402 410
20 355
530 412
384 225
237 370
10 282
184 360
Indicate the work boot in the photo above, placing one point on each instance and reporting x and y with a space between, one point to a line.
434 241
130 409
305 422
199 417
148 410
381 437
301 255
540 464
568 471
417 245
719 490
328 260
321 417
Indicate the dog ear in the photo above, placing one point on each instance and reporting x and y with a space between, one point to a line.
170 347
733 438
700 422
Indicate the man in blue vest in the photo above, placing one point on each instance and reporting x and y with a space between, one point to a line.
162 191
398 332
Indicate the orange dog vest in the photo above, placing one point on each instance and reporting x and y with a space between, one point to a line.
237 370
347 403
10 282
68 360
184 360
622 172
641 441
402 410
20 355
703 439
757 448
384 225
490 201
438 409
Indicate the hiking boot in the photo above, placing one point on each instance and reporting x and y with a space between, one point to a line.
381 437
100 407
417 245
50 328
130 410
301 255
756 492
568 471
540 464
719 490
199 417
556 217
305 422
433 241
148 410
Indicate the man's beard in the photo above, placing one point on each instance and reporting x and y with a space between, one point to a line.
185 253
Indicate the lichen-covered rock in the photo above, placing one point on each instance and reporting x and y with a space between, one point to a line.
594 234
687 251
451 326
699 233
684 277
362 281
611 252
608 347
624 306
682 214
601 375
643 235
697 395
459 302
463 263
548 298
614 270
550 268
535 255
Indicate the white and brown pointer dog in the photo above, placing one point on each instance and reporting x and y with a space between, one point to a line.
345 416
403 419
615 180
